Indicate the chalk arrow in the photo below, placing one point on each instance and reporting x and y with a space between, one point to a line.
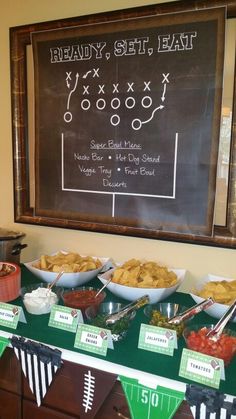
72 91
86 74
164 93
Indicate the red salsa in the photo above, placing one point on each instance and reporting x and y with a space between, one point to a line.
224 348
82 299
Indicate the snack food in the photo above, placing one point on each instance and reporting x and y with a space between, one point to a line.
5 269
118 329
82 298
223 292
158 319
225 348
135 273
40 301
68 262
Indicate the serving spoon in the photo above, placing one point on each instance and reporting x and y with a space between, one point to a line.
49 287
215 333
191 311
104 286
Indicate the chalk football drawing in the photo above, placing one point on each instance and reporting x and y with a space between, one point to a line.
115 102
89 387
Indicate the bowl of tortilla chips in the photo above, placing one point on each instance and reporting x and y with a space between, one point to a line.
136 278
78 269
221 289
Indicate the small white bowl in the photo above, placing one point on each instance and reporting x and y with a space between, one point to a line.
68 280
217 310
132 293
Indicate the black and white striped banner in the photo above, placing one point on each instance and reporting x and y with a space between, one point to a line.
39 364
207 403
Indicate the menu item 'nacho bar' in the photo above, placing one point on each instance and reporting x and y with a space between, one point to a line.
223 292
68 262
135 273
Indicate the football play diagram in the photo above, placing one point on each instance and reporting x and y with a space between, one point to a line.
99 103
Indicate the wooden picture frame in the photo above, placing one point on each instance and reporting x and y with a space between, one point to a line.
25 210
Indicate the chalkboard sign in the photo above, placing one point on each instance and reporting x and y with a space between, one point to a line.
127 121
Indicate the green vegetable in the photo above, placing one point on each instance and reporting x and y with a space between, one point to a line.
160 320
116 328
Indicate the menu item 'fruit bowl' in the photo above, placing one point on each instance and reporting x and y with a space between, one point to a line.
83 298
159 314
38 299
196 340
134 279
98 318
78 270
222 290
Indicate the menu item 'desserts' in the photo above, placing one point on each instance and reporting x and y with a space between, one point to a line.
135 273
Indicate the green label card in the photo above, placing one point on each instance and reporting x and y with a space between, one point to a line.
4 342
157 339
150 403
201 368
10 315
93 339
65 318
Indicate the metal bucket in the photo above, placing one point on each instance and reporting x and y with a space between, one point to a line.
11 246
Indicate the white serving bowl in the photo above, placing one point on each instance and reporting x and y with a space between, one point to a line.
68 280
217 310
132 293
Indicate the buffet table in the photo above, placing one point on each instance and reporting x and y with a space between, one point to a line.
126 359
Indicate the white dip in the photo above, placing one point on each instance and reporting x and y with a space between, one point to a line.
40 301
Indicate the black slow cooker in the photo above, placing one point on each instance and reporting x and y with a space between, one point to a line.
11 246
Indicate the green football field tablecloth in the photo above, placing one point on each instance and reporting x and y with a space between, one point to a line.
125 352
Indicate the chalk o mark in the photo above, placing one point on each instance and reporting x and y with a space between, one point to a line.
85 104
100 104
115 120
67 116
146 102
129 102
115 103
136 124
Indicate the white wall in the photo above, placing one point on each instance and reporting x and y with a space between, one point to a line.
198 260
